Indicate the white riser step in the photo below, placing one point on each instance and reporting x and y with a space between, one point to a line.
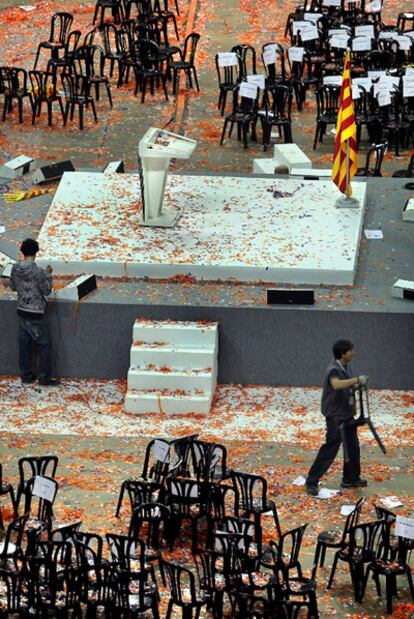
195 358
181 333
142 402
144 378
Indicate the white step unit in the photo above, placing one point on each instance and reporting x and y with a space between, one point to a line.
291 156
173 367
190 333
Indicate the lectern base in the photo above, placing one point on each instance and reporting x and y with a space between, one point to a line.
346 203
165 220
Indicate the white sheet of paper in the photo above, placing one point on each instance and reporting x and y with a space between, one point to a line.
373 7
361 44
2 229
27 7
391 502
364 31
356 91
161 451
259 80
339 41
384 98
269 56
374 74
309 34
296 54
248 90
347 509
409 71
333 31
299 481
388 34
327 493
227 59
298 25
410 34
405 527
408 89
313 17
373 234
334 80
365 82
405 42
44 488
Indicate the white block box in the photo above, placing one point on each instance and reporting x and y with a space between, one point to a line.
193 334
166 354
164 378
408 211
16 167
291 156
403 289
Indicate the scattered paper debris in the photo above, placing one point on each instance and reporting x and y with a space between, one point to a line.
299 481
391 502
27 7
2 229
373 234
347 509
327 493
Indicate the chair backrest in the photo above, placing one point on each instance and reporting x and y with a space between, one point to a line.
352 519
184 494
41 491
228 75
327 99
92 541
286 550
30 466
13 80
142 492
159 457
72 43
181 583
377 154
43 86
278 100
250 490
60 26
275 70
127 552
13 538
247 56
364 540
66 533
246 527
208 459
153 515
190 47
109 39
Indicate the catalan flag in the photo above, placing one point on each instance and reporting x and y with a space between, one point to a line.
345 152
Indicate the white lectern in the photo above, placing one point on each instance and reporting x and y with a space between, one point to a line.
155 150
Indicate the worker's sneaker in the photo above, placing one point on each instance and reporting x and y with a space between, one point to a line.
358 483
312 489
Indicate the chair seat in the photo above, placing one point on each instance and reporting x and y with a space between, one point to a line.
330 537
388 567
301 586
52 44
11 548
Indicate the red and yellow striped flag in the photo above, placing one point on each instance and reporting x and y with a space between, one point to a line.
345 133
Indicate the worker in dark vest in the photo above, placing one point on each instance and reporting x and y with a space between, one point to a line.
338 405
33 284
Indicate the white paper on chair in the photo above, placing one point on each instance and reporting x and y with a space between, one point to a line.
2 229
404 42
313 17
327 493
388 34
331 2
374 74
269 56
347 509
299 481
364 31
356 91
408 89
409 71
310 33
44 488
298 25
227 59
361 44
409 33
339 41
373 7
404 527
391 502
365 82
332 80
373 234
248 90
384 98
296 54
333 31
259 80
161 451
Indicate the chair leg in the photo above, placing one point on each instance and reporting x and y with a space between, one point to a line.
323 555
223 102
315 141
34 112
164 85
169 609
389 586
108 90
94 110
333 569
244 128
195 77
81 116
20 106
49 113
223 133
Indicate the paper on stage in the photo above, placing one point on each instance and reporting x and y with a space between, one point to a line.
373 234
391 502
327 493
299 481
405 527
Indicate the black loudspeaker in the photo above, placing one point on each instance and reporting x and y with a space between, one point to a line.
52 172
286 296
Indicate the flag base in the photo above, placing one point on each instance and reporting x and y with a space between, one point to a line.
344 202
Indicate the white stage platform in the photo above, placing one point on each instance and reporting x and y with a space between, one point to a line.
246 228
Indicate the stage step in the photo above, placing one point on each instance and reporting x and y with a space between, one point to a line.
153 377
171 402
173 367
193 334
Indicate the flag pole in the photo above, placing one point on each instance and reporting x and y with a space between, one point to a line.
348 192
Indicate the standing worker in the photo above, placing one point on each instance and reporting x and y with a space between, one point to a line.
338 406
33 284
